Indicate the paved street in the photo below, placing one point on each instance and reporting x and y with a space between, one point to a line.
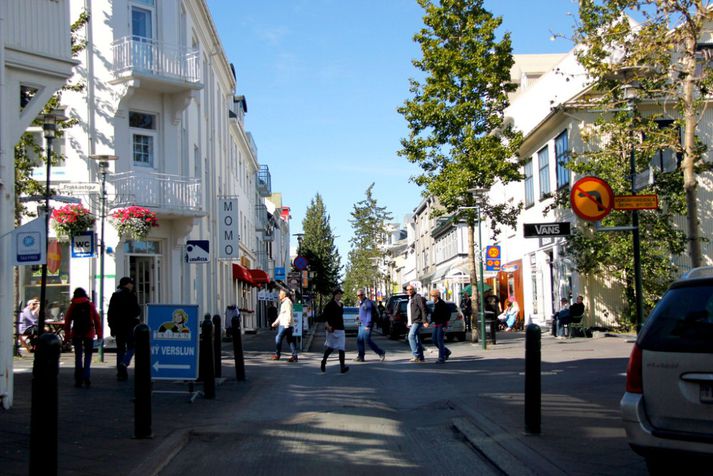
465 417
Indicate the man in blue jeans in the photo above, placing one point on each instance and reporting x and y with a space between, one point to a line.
417 317
366 323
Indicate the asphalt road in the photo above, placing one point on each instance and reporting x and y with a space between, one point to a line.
396 417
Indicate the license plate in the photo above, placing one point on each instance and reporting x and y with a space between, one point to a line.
707 393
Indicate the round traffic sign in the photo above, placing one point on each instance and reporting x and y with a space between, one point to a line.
300 263
591 198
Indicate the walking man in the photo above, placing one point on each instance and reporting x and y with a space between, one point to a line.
285 325
123 315
416 315
366 324
439 318
334 325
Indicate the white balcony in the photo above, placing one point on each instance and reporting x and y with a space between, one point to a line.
167 195
160 66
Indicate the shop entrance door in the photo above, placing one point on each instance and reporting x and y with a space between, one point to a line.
145 270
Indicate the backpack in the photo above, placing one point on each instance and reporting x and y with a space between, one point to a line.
81 319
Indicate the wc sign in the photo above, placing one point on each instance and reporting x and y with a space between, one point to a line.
83 245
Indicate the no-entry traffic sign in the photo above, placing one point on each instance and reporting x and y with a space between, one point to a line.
592 198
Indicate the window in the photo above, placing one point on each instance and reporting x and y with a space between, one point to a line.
143 140
666 160
543 162
562 158
529 185
141 21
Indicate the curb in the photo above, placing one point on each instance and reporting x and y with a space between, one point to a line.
501 447
163 455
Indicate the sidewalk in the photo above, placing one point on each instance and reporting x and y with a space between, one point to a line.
96 425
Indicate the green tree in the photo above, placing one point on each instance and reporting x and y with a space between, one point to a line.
317 245
369 224
458 135
660 55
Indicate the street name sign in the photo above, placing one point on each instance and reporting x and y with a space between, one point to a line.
79 188
636 202
539 230
197 251
591 198
83 245
174 341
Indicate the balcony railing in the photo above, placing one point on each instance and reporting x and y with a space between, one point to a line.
164 192
148 57
264 181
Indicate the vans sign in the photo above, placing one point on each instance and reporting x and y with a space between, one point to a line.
539 230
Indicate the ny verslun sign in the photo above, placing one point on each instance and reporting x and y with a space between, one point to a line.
537 230
174 341
228 228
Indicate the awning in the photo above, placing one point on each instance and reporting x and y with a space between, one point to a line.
469 290
259 277
241 273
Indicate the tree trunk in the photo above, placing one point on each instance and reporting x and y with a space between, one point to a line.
689 155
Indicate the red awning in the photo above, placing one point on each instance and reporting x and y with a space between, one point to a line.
259 277
241 273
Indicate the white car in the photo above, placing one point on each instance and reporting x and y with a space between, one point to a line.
668 405
351 320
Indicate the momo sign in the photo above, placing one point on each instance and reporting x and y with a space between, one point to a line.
228 237
539 230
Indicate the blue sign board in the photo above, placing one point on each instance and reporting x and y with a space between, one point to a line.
174 341
197 251
280 274
83 245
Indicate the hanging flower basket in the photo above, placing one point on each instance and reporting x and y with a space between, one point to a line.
134 222
71 220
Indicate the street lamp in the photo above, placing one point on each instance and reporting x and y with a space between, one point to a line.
478 194
49 127
103 170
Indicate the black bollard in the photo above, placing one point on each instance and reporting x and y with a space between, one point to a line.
217 347
142 382
206 358
533 389
43 417
238 350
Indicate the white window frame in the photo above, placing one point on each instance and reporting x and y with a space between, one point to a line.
151 134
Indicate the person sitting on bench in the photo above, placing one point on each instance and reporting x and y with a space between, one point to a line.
28 321
562 317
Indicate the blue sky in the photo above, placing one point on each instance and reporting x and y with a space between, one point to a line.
323 79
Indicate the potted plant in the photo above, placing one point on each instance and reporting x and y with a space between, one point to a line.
134 222
71 220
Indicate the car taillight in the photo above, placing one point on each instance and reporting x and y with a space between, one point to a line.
634 375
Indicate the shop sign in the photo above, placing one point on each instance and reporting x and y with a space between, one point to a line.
228 238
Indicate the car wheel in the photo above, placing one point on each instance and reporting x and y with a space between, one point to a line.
461 336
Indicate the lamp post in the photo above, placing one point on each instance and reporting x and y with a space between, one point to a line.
49 128
478 196
103 170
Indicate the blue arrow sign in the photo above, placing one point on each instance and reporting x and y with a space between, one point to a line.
174 341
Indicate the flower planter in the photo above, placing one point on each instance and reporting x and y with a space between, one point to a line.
134 222
71 220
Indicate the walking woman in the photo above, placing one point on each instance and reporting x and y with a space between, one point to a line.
285 323
82 325
334 317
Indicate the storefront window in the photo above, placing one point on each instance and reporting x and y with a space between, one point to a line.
57 292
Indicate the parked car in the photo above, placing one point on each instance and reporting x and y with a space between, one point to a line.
668 405
351 322
396 309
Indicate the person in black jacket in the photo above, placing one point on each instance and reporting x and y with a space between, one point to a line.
417 317
439 320
123 315
333 316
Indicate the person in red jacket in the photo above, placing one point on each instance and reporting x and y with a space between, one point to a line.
82 325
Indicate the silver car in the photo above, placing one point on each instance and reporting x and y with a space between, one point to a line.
351 320
668 405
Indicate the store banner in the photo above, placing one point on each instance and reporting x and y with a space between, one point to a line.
29 243
228 238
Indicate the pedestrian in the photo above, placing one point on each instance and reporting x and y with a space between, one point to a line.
509 315
285 324
366 324
82 325
382 314
563 317
124 314
466 306
28 320
333 317
416 318
439 319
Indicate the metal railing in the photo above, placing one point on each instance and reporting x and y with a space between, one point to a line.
151 57
157 190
